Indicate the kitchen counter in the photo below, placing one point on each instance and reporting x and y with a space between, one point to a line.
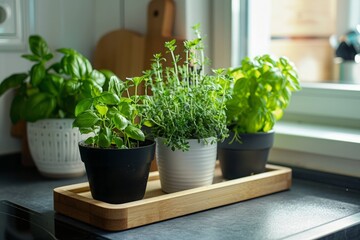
308 210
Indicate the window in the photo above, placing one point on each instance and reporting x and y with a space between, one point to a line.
321 127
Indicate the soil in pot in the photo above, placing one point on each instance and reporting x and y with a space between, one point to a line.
246 158
118 175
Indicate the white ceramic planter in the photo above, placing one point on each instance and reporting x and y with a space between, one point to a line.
180 170
54 148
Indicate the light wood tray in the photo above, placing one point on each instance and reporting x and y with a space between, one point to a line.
75 200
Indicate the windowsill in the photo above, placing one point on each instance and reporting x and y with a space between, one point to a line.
325 148
333 104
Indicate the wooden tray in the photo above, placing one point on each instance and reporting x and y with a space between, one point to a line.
75 200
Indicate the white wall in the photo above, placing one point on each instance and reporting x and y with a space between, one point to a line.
79 24
63 23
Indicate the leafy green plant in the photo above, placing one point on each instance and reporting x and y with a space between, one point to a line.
186 103
113 116
261 90
51 89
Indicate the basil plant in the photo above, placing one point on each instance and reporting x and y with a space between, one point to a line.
260 91
51 89
112 117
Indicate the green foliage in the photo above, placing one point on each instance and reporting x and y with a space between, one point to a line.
186 103
51 91
261 90
114 120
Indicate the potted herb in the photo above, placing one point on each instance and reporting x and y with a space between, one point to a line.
186 114
117 156
260 91
45 98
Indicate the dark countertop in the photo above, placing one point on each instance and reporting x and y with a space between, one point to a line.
308 210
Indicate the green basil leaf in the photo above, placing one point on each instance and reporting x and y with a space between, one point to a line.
69 68
96 90
17 108
148 123
12 81
39 106
97 77
112 111
116 85
72 86
109 98
37 74
90 89
255 122
107 74
86 119
75 65
119 142
38 46
120 121
67 51
51 84
269 122
102 109
125 109
48 56
86 90
83 105
293 82
86 130
90 140
134 133
31 57
104 140
87 63
57 80
283 62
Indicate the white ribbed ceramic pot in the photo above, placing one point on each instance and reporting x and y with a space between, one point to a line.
53 145
181 170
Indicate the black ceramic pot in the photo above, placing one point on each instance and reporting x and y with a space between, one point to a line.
246 158
117 175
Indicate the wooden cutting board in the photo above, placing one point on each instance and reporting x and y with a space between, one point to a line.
128 53
121 51
160 22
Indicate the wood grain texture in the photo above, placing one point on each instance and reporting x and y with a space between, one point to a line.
121 51
160 23
128 53
75 200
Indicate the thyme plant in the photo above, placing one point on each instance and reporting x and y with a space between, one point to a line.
186 102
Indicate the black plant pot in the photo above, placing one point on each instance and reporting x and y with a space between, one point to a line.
117 175
246 158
